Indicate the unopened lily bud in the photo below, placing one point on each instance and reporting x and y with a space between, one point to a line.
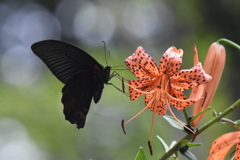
213 65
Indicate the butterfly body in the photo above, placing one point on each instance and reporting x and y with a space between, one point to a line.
83 76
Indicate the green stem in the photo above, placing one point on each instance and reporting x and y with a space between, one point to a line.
189 137
221 115
231 43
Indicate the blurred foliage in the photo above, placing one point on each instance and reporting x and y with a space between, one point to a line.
36 101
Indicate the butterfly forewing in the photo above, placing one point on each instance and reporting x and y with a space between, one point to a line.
64 60
82 75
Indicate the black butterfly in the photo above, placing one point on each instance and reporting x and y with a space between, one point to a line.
82 75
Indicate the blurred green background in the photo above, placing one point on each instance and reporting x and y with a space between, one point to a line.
32 125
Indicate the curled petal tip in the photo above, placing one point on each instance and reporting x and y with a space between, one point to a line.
196 61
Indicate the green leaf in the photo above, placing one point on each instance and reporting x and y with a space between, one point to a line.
173 122
140 155
164 145
193 145
189 155
173 144
205 110
214 113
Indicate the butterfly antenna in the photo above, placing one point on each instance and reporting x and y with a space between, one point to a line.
105 51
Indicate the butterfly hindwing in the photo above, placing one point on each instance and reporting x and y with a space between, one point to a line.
77 101
82 75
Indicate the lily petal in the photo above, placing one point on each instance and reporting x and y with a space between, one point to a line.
134 94
188 78
142 64
220 155
144 85
171 61
181 104
223 144
140 83
176 93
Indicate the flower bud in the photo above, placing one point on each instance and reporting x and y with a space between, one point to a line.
213 65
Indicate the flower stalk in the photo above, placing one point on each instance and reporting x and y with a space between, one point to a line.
227 41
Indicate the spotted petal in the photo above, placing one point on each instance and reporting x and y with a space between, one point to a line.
181 104
185 79
223 144
134 94
139 83
171 61
142 64
145 85
176 93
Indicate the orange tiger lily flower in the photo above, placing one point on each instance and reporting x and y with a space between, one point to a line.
163 85
223 144
213 65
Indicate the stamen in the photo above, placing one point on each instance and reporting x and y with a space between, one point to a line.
183 100
123 87
150 147
152 125
156 98
122 123
169 108
139 112
189 128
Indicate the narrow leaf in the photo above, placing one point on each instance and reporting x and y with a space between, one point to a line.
173 122
171 145
164 145
202 112
193 145
214 113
